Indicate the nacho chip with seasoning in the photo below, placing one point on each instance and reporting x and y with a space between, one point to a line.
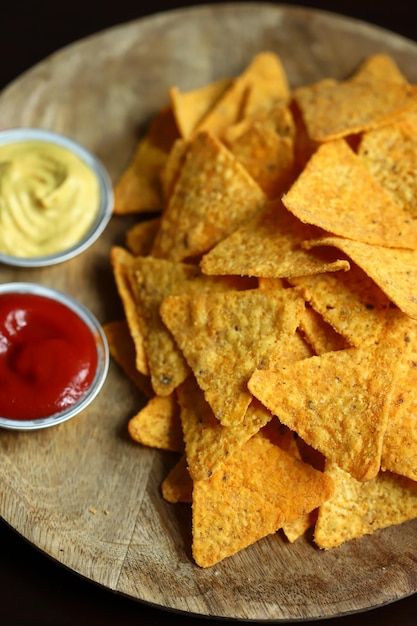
337 402
226 336
208 444
333 110
269 246
399 448
213 195
263 81
356 509
390 155
379 68
158 424
394 270
337 193
138 189
258 490
190 107
177 486
121 261
140 237
352 304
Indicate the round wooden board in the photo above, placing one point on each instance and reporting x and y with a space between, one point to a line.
83 492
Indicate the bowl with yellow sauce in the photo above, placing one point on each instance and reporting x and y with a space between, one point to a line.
56 197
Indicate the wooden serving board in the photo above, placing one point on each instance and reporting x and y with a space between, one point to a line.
83 492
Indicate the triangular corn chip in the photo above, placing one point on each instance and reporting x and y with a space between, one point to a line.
138 188
356 509
213 195
393 270
332 110
269 246
158 424
337 193
355 307
177 485
258 490
379 68
208 444
190 107
337 402
226 336
122 260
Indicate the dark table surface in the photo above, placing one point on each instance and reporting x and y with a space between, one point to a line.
33 589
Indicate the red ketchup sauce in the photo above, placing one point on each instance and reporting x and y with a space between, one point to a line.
48 356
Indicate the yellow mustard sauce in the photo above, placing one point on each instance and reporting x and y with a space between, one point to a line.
49 198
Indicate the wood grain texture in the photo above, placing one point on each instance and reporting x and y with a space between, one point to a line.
83 492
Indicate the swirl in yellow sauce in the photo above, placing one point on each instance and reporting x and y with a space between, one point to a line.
49 198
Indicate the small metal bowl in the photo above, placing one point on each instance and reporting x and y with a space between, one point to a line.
106 201
102 356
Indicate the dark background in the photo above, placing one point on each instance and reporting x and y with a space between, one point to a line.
35 591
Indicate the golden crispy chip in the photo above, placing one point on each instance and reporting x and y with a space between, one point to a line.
356 509
379 68
172 168
269 246
393 270
390 155
155 279
208 444
191 107
158 424
213 195
399 448
332 110
225 336
264 144
260 488
353 305
122 350
319 334
121 261
337 193
264 80
178 486
140 237
337 402
138 188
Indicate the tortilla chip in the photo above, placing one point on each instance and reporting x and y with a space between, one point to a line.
191 107
155 279
379 68
158 424
268 246
337 402
351 303
266 150
263 80
122 261
122 350
333 110
319 334
177 485
337 193
225 336
260 488
214 194
208 444
399 448
138 189
390 155
172 168
393 270
140 237
356 509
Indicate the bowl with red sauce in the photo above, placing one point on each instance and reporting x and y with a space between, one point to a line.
56 197
54 356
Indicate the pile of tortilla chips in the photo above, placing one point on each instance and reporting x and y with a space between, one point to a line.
270 297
